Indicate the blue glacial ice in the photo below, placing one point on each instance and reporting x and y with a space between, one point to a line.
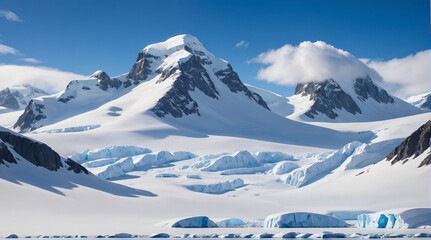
231 222
195 222
412 218
272 157
302 219
308 174
109 152
238 160
218 188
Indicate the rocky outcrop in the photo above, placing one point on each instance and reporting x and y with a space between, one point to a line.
413 146
15 147
7 100
32 114
328 97
105 81
365 89
142 67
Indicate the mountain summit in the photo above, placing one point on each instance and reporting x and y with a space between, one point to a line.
175 73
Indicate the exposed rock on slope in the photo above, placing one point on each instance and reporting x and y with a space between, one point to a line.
414 145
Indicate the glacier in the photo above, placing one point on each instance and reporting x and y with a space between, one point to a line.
238 160
218 188
308 174
109 152
302 219
195 222
272 157
283 168
231 222
411 218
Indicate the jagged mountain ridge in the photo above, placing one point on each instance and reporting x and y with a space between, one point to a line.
360 99
179 65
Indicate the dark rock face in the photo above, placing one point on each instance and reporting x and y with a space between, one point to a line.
192 75
7 100
365 88
413 146
32 114
328 96
142 68
106 82
427 103
35 152
231 79
177 101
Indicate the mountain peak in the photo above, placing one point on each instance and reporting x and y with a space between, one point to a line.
174 44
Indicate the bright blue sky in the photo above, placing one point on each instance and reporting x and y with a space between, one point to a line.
84 36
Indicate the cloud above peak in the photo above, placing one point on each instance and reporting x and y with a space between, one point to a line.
8 50
10 16
406 76
310 61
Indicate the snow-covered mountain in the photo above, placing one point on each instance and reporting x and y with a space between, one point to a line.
173 69
18 97
359 99
422 101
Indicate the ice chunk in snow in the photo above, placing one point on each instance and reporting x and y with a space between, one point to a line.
302 219
160 235
121 235
412 218
272 157
100 162
308 174
12 236
243 171
117 169
193 176
161 158
109 152
218 188
283 168
195 222
231 222
166 175
238 160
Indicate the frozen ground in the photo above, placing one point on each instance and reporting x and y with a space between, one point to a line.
347 187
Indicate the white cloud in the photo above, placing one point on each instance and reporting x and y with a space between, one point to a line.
30 60
242 43
8 50
49 79
406 76
310 61
11 16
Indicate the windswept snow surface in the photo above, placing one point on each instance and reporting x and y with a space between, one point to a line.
302 219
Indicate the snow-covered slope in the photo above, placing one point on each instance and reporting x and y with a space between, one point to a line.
27 161
17 97
422 101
